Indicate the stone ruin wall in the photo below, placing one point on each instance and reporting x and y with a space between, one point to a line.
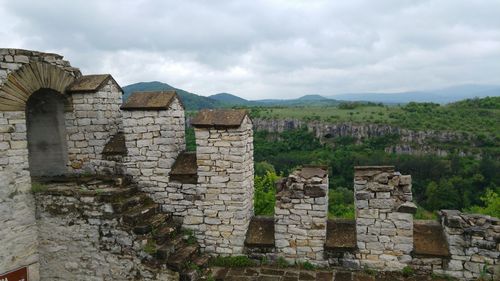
301 214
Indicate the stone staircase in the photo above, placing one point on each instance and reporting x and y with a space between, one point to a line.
130 221
165 242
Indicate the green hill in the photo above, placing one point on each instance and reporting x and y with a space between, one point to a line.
230 99
191 101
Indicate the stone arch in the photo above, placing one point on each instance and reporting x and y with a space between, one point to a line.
30 78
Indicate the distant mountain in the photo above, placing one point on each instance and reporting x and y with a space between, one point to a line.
444 95
307 100
313 98
231 99
191 101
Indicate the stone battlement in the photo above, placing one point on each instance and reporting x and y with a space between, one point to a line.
55 121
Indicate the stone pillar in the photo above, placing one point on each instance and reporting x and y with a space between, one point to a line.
384 220
301 214
224 152
153 125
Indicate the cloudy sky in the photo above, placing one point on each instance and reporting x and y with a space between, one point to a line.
267 48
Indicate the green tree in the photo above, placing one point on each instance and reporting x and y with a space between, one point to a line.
265 194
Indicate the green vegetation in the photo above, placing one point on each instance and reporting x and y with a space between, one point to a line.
234 261
281 262
150 247
478 116
37 187
341 203
188 236
407 271
452 182
265 193
307 265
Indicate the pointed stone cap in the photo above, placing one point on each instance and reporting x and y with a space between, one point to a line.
90 83
159 100
225 118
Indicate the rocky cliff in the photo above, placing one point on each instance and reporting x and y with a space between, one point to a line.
410 142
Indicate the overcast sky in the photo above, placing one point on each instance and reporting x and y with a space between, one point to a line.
267 49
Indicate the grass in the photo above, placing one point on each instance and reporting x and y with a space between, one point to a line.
407 271
150 247
37 187
281 262
307 265
236 261
423 214
189 237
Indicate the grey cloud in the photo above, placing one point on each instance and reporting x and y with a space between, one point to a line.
262 48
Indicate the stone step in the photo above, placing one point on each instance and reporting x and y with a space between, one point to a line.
139 214
179 259
166 232
164 250
201 260
153 223
130 202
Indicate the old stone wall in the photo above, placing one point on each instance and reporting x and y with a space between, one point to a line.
301 215
179 198
82 238
18 233
95 118
154 139
474 244
384 222
225 177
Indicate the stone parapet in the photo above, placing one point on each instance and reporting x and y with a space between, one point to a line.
301 215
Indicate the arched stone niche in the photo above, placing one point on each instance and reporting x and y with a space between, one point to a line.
46 133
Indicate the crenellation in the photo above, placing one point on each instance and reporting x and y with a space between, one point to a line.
384 233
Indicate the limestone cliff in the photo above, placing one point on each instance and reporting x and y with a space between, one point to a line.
410 142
